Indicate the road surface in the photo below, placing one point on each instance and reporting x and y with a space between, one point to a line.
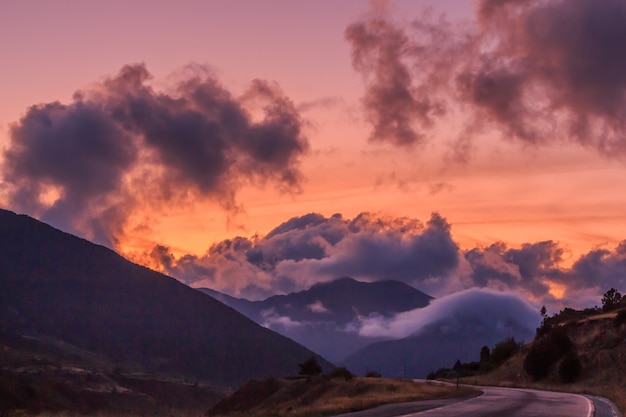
496 402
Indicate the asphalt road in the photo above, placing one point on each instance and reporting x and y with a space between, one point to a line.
496 402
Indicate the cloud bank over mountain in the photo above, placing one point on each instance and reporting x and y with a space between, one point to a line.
483 310
371 247
453 327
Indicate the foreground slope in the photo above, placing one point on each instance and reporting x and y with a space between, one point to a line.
57 287
326 317
599 342
332 394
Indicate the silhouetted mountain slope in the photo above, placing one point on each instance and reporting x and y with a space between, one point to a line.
326 317
344 299
55 285
416 356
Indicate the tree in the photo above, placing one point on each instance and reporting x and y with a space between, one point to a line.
611 299
543 312
504 350
310 367
484 355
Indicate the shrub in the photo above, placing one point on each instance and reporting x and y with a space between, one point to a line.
373 374
546 351
441 373
504 350
543 329
310 367
485 355
339 373
620 319
611 299
570 368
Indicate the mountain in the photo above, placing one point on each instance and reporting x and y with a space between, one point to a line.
326 317
452 328
57 289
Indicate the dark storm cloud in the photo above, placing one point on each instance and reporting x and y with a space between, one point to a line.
121 145
413 256
533 269
537 71
526 268
77 151
600 268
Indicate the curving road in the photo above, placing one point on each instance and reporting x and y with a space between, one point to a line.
512 402
496 402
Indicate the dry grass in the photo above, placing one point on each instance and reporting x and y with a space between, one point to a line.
323 398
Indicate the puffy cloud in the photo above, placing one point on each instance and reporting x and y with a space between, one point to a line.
419 255
536 271
312 248
600 268
119 145
537 71
527 267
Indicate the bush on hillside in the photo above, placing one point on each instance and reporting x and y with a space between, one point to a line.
620 319
611 299
310 367
546 351
339 373
570 368
504 350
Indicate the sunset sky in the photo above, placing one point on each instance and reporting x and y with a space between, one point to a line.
163 129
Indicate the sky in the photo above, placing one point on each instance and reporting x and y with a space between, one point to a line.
259 147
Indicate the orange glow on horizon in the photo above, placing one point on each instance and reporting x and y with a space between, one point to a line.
556 290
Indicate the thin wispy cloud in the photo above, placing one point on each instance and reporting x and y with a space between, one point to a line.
539 72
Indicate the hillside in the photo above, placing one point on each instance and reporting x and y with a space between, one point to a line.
599 342
60 290
322 316
52 377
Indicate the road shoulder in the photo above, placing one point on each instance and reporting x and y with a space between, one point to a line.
604 407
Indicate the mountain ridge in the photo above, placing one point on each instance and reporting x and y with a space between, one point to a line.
323 316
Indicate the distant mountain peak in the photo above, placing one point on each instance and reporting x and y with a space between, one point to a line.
326 316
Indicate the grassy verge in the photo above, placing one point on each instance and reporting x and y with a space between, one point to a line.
321 397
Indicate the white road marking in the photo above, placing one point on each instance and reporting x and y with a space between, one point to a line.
592 408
